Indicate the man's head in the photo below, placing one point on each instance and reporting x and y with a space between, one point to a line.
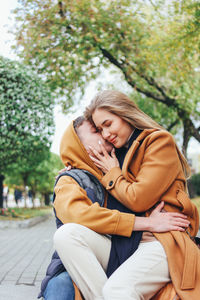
89 136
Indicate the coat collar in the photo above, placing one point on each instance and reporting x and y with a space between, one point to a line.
131 152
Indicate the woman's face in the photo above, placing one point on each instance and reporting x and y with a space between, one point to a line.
113 128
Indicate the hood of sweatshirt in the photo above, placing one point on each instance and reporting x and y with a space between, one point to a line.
72 152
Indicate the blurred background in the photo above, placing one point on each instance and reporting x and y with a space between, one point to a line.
55 56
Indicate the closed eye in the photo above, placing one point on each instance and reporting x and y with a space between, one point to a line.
107 123
94 130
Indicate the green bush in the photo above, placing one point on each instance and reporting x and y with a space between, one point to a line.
26 118
194 184
8 212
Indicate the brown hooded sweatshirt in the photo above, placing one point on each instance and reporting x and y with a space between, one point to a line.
72 204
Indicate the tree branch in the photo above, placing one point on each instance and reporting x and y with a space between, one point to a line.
196 133
170 102
132 83
61 12
173 124
150 81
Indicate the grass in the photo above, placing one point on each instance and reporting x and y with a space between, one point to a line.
23 213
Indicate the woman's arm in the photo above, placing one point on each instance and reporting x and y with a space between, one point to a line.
158 170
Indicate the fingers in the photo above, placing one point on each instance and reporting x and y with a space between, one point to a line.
98 164
68 168
95 153
105 153
177 228
61 171
176 218
181 224
113 153
96 161
159 207
175 214
175 223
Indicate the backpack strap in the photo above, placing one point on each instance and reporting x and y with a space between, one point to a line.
88 182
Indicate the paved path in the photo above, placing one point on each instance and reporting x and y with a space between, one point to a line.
24 256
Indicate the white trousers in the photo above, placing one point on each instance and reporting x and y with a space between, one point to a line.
85 255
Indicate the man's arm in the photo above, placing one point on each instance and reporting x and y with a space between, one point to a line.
73 206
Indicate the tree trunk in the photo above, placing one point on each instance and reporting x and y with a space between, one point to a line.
25 191
186 137
1 190
33 197
46 199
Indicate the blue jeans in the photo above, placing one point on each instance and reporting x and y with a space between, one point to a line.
60 288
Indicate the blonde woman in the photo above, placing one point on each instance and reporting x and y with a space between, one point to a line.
146 169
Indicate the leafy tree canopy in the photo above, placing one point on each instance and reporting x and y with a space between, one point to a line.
147 41
40 177
26 115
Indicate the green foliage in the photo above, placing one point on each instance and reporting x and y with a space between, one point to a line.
42 178
195 180
19 172
39 178
69 39
189 32
8 212
22 213
26 116
147 42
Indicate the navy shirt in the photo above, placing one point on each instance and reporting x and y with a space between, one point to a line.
122 247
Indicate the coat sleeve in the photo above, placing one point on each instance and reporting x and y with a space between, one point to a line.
160 167
73 206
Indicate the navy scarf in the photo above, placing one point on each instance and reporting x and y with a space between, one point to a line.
122 247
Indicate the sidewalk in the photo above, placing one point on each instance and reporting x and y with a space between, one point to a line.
24 257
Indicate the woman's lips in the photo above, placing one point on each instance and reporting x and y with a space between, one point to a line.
112 140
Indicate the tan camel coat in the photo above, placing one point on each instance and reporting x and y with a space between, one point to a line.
151 172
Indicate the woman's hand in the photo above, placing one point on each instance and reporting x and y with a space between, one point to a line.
104 161
161 221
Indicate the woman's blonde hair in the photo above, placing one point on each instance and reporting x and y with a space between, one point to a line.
119 104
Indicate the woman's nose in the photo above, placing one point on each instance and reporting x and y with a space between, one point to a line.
105 133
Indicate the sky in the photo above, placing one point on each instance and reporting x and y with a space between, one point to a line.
61 120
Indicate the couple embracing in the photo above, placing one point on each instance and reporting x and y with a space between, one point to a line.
123 209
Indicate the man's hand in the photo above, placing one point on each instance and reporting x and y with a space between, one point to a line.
161 221
68 168
167 221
